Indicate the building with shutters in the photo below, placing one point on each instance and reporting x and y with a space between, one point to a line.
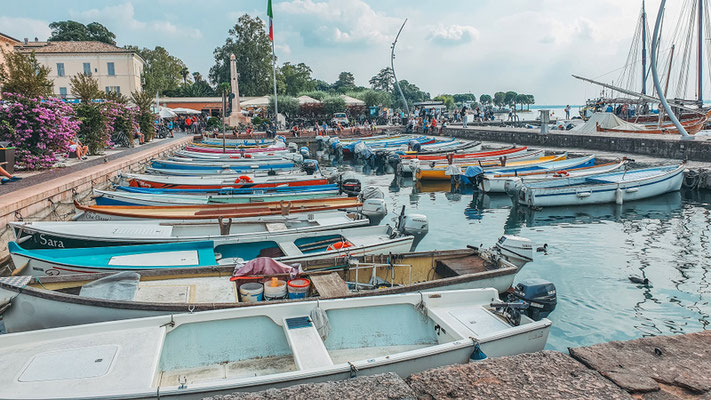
115 68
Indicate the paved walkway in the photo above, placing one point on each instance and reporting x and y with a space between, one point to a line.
93 161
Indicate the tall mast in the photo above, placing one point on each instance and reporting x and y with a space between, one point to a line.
700 74
644 50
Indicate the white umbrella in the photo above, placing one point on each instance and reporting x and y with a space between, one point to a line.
166 112
185 111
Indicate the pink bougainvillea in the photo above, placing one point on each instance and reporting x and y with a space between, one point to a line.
39 128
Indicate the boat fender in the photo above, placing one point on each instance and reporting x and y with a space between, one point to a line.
343 244
619 196
477 354
244 179
559 174
5 303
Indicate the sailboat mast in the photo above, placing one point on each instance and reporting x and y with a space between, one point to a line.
644 50
700 74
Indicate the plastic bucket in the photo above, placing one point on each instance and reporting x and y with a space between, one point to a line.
274 289
298 288
251 292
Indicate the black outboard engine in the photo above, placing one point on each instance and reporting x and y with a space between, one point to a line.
309 166
393 160
350 186
539 294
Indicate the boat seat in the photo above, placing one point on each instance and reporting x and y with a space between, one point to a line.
306 344
276 227
289 249
331 285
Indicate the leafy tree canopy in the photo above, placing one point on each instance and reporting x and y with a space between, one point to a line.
22 74
72 31
250 44
412 93
163 72
383 80
448 100
485 99
85 88
297 78
462 97
373 97
288 105
345 82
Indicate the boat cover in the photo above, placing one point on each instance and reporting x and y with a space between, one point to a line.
608 121
120 286
266 266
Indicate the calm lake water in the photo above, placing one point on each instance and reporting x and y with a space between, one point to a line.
592 250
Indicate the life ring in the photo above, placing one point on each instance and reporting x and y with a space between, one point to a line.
244 179
343 244
559 174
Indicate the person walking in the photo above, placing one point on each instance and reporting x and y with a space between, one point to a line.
567 111
464 116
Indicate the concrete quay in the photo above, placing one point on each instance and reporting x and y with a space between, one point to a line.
50 195
663 367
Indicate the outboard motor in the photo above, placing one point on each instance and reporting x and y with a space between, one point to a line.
412 224
512 186
350 186
304 151
475 175
393 161
309 166
515 249
293 147
539 294
375 209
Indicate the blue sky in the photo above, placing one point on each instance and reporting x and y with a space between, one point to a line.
477 46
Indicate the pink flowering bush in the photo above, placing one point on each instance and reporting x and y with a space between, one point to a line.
120 122
40 128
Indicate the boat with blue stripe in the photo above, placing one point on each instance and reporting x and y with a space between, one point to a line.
232 191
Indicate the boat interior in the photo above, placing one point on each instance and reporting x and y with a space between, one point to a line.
337 278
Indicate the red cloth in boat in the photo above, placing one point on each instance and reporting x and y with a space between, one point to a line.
266 266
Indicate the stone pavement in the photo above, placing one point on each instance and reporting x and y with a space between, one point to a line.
663 367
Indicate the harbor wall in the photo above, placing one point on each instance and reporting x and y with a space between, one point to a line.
53 199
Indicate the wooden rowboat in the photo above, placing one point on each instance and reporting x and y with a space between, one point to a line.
692 126
216 182
58 300
439 172
213 211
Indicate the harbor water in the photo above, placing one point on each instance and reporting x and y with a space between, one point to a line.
592 251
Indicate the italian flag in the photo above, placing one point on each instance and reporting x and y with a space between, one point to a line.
271 15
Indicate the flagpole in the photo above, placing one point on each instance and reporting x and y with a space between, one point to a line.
276 105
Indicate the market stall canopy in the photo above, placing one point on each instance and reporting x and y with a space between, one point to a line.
166 112
352 101
606 120
185 111
255 102
307 100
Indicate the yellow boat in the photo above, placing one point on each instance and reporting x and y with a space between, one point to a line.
438 172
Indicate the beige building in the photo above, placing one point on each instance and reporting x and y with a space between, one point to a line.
116 69
7 44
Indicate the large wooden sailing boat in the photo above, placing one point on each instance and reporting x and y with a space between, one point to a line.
688 33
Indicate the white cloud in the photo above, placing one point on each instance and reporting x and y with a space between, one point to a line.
122 16
21 28
337 21
453 34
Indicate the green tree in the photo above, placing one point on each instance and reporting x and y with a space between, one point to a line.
322 86
530 100
197 77
185 72
462 97
162 72
22 74
333 104
510 98
447 100
522 99
288 105
383 80
316 94
297 78
250 44
115 96
485 99
345 82
72 31
499 99
85 88
92 130
373 97
145 117
412 93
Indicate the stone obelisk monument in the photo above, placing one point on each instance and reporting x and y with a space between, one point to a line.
236 117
